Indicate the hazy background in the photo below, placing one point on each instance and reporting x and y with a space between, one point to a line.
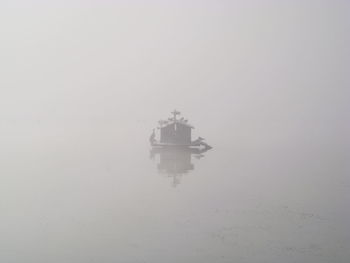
83 83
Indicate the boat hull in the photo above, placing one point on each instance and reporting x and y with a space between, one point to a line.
196 145
158 144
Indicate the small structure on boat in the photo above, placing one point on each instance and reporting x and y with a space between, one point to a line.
176 132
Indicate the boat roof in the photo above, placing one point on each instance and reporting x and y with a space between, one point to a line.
174 120
178 122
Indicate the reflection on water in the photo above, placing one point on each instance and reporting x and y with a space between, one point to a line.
175 162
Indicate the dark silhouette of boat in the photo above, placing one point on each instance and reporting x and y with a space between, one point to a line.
175 132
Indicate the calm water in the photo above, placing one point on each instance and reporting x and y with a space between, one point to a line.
79 193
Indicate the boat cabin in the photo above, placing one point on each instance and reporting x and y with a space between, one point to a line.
175 131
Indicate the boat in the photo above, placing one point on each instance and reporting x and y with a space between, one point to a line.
176 132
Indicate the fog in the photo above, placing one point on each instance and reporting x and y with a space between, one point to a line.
83 83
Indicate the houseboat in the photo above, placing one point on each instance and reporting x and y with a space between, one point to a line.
176 132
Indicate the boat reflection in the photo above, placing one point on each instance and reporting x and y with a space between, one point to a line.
174 162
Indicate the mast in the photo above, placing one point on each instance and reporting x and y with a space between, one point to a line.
175 112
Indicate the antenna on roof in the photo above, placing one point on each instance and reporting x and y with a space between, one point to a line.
175 112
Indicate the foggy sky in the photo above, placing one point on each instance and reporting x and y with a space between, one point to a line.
286 59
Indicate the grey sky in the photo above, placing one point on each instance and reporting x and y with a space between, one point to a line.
256 58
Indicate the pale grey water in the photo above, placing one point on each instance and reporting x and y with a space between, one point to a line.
265 84
83 194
